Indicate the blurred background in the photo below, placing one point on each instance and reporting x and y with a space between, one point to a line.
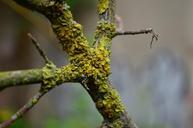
155 84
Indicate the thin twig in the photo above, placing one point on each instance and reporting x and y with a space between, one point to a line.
154 36
37 45
34 100
143 31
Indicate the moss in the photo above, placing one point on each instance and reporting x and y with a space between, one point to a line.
103 6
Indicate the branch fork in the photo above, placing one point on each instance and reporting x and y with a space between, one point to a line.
88 65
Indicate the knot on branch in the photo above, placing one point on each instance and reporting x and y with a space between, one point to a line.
51 77
95 63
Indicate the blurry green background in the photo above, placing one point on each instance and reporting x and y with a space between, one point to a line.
155 84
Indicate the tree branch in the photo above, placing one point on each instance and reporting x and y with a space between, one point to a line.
106 10
18 78
49 77
106 24
143 31
37 45
33 101
24 77
88 66
68 31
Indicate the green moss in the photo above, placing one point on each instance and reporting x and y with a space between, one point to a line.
103 6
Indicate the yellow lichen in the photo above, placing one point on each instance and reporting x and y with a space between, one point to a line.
34 101
117 124
90 63
111 103
103 6
104 33
53 76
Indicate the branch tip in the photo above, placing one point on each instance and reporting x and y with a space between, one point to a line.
143 31
33 101
37 46
154 36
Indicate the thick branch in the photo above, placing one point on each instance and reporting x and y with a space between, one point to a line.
25 77
109 104
68 31
22 77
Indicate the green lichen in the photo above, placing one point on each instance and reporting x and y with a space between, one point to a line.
53 76
117 124
67 30
49 77
92 63
68 73
110 103
95 65
12 78
34 101
88 65
103 6
104 33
